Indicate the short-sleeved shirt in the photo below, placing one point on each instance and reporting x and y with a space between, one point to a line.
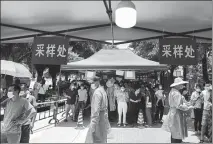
32 101
82 95
72 94
121 96
159 94
14 111
196 100
42 89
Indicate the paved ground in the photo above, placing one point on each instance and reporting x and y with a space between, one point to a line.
66 133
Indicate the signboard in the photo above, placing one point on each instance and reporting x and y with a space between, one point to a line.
50 50
178 51
119 73
129 75
90 74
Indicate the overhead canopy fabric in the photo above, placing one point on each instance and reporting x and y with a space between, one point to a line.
114 59
163 16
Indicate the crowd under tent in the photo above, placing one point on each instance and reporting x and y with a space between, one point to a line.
115 59
21 21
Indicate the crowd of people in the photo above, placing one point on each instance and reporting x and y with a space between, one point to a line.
125 100
111 101
200 103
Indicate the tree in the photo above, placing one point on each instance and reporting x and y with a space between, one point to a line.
150 50
18 52
85 49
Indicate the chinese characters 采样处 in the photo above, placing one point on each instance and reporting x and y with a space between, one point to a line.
178 51
50 50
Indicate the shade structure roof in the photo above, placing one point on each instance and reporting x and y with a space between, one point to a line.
154 19
114 59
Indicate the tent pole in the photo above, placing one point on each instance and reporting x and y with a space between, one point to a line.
58 32
50 33
158 37
58 98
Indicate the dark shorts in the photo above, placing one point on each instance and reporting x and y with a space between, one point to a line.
25 134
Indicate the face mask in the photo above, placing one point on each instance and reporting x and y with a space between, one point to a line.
197 90
93 86
10 94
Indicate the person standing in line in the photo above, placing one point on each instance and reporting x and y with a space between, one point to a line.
143 102
148 107
99 124
36 87
17 112
210 118
196 101
42 91
134 105
4 95
71 95
28 126
206 109
111 99
175 121
122 98
159 104
82 99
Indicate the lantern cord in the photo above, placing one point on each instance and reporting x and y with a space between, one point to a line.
163 34
112 31
109 12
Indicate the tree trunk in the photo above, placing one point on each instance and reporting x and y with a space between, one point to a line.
40 69
162 78
184 72
171 74
204 66
53 70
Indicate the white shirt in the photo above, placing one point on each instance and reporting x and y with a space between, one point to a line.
42 89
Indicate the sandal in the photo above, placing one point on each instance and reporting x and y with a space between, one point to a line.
119 125
201 141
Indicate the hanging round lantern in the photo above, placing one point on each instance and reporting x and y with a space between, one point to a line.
125 14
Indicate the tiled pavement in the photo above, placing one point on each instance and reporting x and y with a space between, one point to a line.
66 133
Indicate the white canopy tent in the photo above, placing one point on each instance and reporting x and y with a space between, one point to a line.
114 59
88 20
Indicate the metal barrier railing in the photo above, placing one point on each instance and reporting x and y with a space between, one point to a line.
45 109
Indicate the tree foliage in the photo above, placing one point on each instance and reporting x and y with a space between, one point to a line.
85 49
150 50
18 52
